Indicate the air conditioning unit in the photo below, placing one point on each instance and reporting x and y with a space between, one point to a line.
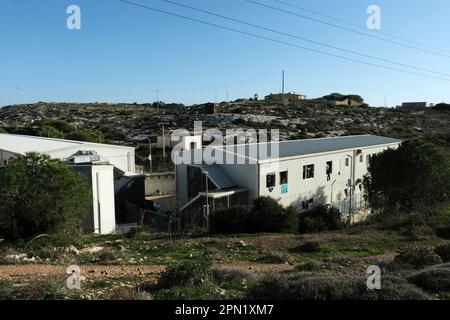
83 156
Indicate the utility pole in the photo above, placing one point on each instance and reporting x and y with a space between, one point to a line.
164 143
282 83
351 184
157 100
207 201
150 154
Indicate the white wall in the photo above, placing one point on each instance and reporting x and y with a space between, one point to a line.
101 218
103 199
317 188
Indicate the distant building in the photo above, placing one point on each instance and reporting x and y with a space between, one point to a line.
414 105
347 102
285 98
211 108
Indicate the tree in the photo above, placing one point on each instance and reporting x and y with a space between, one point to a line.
41 195
414 174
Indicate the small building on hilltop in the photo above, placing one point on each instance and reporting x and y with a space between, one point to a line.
285 98
414 105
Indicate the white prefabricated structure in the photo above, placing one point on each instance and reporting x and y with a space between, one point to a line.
302 173
99 163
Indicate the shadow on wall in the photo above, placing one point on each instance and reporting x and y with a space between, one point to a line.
309 201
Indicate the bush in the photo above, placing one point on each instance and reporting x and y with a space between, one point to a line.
230 220
187 273
307 286
433 280
319 219
291 220
417 257
267 215
443 251
443 233
309 247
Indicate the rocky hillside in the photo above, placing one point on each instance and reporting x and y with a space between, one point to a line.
132 123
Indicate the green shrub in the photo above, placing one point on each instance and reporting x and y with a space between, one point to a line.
188 273
309 266
434 279
106 256
291 220
443 251
308 247
274 258
307 286
443 232
319 219
268 215
417 256
229 220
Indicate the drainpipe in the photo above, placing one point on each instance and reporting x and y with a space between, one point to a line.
207 201
352 176
332 190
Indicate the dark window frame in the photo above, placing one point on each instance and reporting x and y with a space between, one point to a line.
308 171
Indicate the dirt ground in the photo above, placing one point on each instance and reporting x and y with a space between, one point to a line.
93 272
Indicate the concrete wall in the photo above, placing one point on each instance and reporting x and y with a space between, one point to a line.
245 175
102 218
162 182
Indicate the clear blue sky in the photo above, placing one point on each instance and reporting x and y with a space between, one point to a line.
124 53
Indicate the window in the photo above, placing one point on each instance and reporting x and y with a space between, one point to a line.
329 170
270 180
307 203
308 171
368 157
347 162
284 182
361 159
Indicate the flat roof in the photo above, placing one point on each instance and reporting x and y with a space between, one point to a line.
286 149
22 144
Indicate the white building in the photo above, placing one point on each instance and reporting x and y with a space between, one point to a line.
304 173
101 164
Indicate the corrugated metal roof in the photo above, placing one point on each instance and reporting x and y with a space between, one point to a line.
21 144
307 146
218 176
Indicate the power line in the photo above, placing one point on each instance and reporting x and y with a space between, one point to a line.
346 29
305 39
280 41
358 26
